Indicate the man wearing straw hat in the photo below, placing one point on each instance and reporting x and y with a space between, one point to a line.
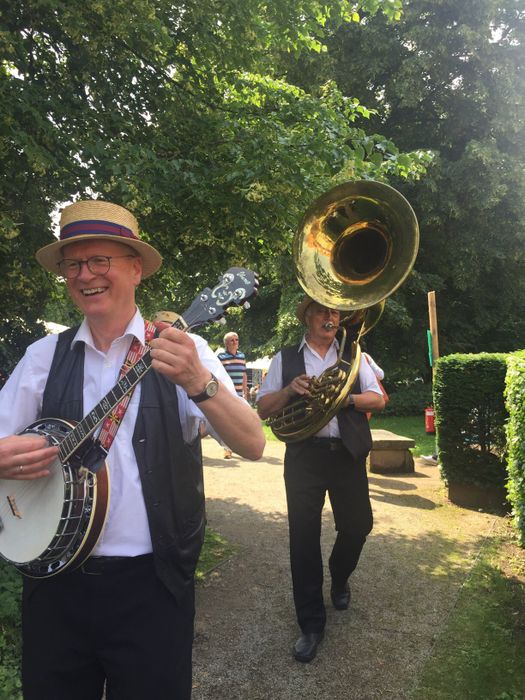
125 617
333 461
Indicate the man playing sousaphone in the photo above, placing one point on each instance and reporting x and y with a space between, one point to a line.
333 460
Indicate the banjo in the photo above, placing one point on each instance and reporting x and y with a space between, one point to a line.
51 524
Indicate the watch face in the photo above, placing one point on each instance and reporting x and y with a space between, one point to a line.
212 387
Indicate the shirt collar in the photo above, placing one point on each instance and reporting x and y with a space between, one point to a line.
135 329
335 343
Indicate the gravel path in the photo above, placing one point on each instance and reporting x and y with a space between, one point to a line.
403 591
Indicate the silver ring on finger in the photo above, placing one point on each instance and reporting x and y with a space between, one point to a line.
21 468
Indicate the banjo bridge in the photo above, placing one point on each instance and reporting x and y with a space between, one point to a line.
14 508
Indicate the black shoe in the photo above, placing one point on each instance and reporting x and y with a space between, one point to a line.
340 597
305 647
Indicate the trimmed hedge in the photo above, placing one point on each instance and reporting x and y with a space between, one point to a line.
470 418
515 401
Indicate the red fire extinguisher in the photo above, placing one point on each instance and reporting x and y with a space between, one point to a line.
429 420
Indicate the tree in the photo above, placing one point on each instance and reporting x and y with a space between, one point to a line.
448 77
174 110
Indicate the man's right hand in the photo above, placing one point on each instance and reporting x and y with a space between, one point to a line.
25 457
274 402
300 385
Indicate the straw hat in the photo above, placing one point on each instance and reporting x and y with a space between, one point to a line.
302 306
300 312
101 221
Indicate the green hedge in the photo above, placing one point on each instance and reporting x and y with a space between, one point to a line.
515 400
470 418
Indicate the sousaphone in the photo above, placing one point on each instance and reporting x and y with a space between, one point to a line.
355 246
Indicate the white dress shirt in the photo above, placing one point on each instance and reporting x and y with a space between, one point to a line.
315 366
376 369
126 532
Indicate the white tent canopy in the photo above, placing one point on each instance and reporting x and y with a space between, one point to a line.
261 363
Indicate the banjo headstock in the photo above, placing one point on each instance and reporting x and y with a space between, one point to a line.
234 288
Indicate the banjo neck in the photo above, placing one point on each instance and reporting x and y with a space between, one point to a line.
87 426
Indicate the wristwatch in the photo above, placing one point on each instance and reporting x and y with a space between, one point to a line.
211 388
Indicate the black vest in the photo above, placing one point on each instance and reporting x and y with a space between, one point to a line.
353 425
170 470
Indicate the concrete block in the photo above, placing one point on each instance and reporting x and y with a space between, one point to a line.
390 453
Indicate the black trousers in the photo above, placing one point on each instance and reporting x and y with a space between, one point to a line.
121 626
310 471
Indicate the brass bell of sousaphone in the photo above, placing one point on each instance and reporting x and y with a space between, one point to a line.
355 246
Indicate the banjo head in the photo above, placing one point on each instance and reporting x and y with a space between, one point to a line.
49 523
30 512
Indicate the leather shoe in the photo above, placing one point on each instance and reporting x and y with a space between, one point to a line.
305 647
340 597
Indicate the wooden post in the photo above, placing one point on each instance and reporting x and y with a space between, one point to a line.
432 318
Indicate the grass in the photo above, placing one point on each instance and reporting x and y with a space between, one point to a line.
10 632
480 653
408 426
215 550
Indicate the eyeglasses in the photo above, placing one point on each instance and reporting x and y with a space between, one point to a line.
96 264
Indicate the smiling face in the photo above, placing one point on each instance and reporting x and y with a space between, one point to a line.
112 295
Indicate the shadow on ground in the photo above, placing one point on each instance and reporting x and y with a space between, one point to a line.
413 565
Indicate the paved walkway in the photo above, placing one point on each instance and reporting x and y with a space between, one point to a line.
403 592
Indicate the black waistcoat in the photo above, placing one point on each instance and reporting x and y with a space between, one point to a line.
353 425
170 470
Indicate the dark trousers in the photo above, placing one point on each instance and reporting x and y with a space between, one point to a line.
309 472
122 625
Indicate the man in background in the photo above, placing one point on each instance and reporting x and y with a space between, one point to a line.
234 362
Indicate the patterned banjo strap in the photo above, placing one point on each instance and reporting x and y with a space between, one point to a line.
112 422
